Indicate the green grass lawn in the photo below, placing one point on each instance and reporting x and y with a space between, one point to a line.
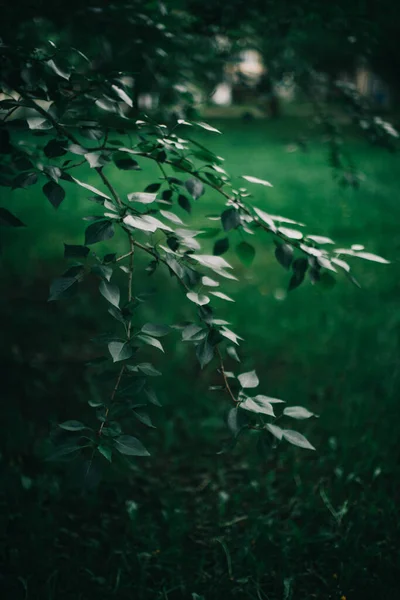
286 524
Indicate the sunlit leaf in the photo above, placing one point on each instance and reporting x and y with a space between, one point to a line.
256 180
248 380
297 412
297 439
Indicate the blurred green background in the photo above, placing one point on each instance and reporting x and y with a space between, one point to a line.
284 523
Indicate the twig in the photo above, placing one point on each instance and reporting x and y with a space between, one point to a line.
227 386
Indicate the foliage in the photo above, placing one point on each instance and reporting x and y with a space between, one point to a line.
52 96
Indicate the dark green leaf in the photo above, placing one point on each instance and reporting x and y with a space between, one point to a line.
221 246
23 180
55 148
300 265
63 287
151 395
54 193
153 188
195 188
156 330
71 251
110 292
119 351
8 219
72 426
144 418
246 253
98 232
204 352
184 203
125 163
232 352
103 271
127 444
230 219
296 280
105 451
284 255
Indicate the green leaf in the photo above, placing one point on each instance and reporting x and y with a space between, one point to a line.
258 406
204 352
297 412
195 188
71 251
52 65
284 255
230 335
199 299
275 430
265 217
297 439
55 148
24 180
99 231
209 282
372 257
230 219
171 217
110 292
193 333
125 163
320 239
72 426
213 262
291 233
142 197
54 193
203 125
62 287
143 417
262 398
184 203
120 351
222 296
151 395
150 341
105 451
122 95
232 352
256 180
248 380
148 369
221 246
90 187
145 223
39 123
103 271
156 330
153 188
246 253
64 451
131 446
9 220
296 280
116 314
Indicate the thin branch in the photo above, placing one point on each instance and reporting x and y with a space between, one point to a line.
227 386
115 390
130 278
